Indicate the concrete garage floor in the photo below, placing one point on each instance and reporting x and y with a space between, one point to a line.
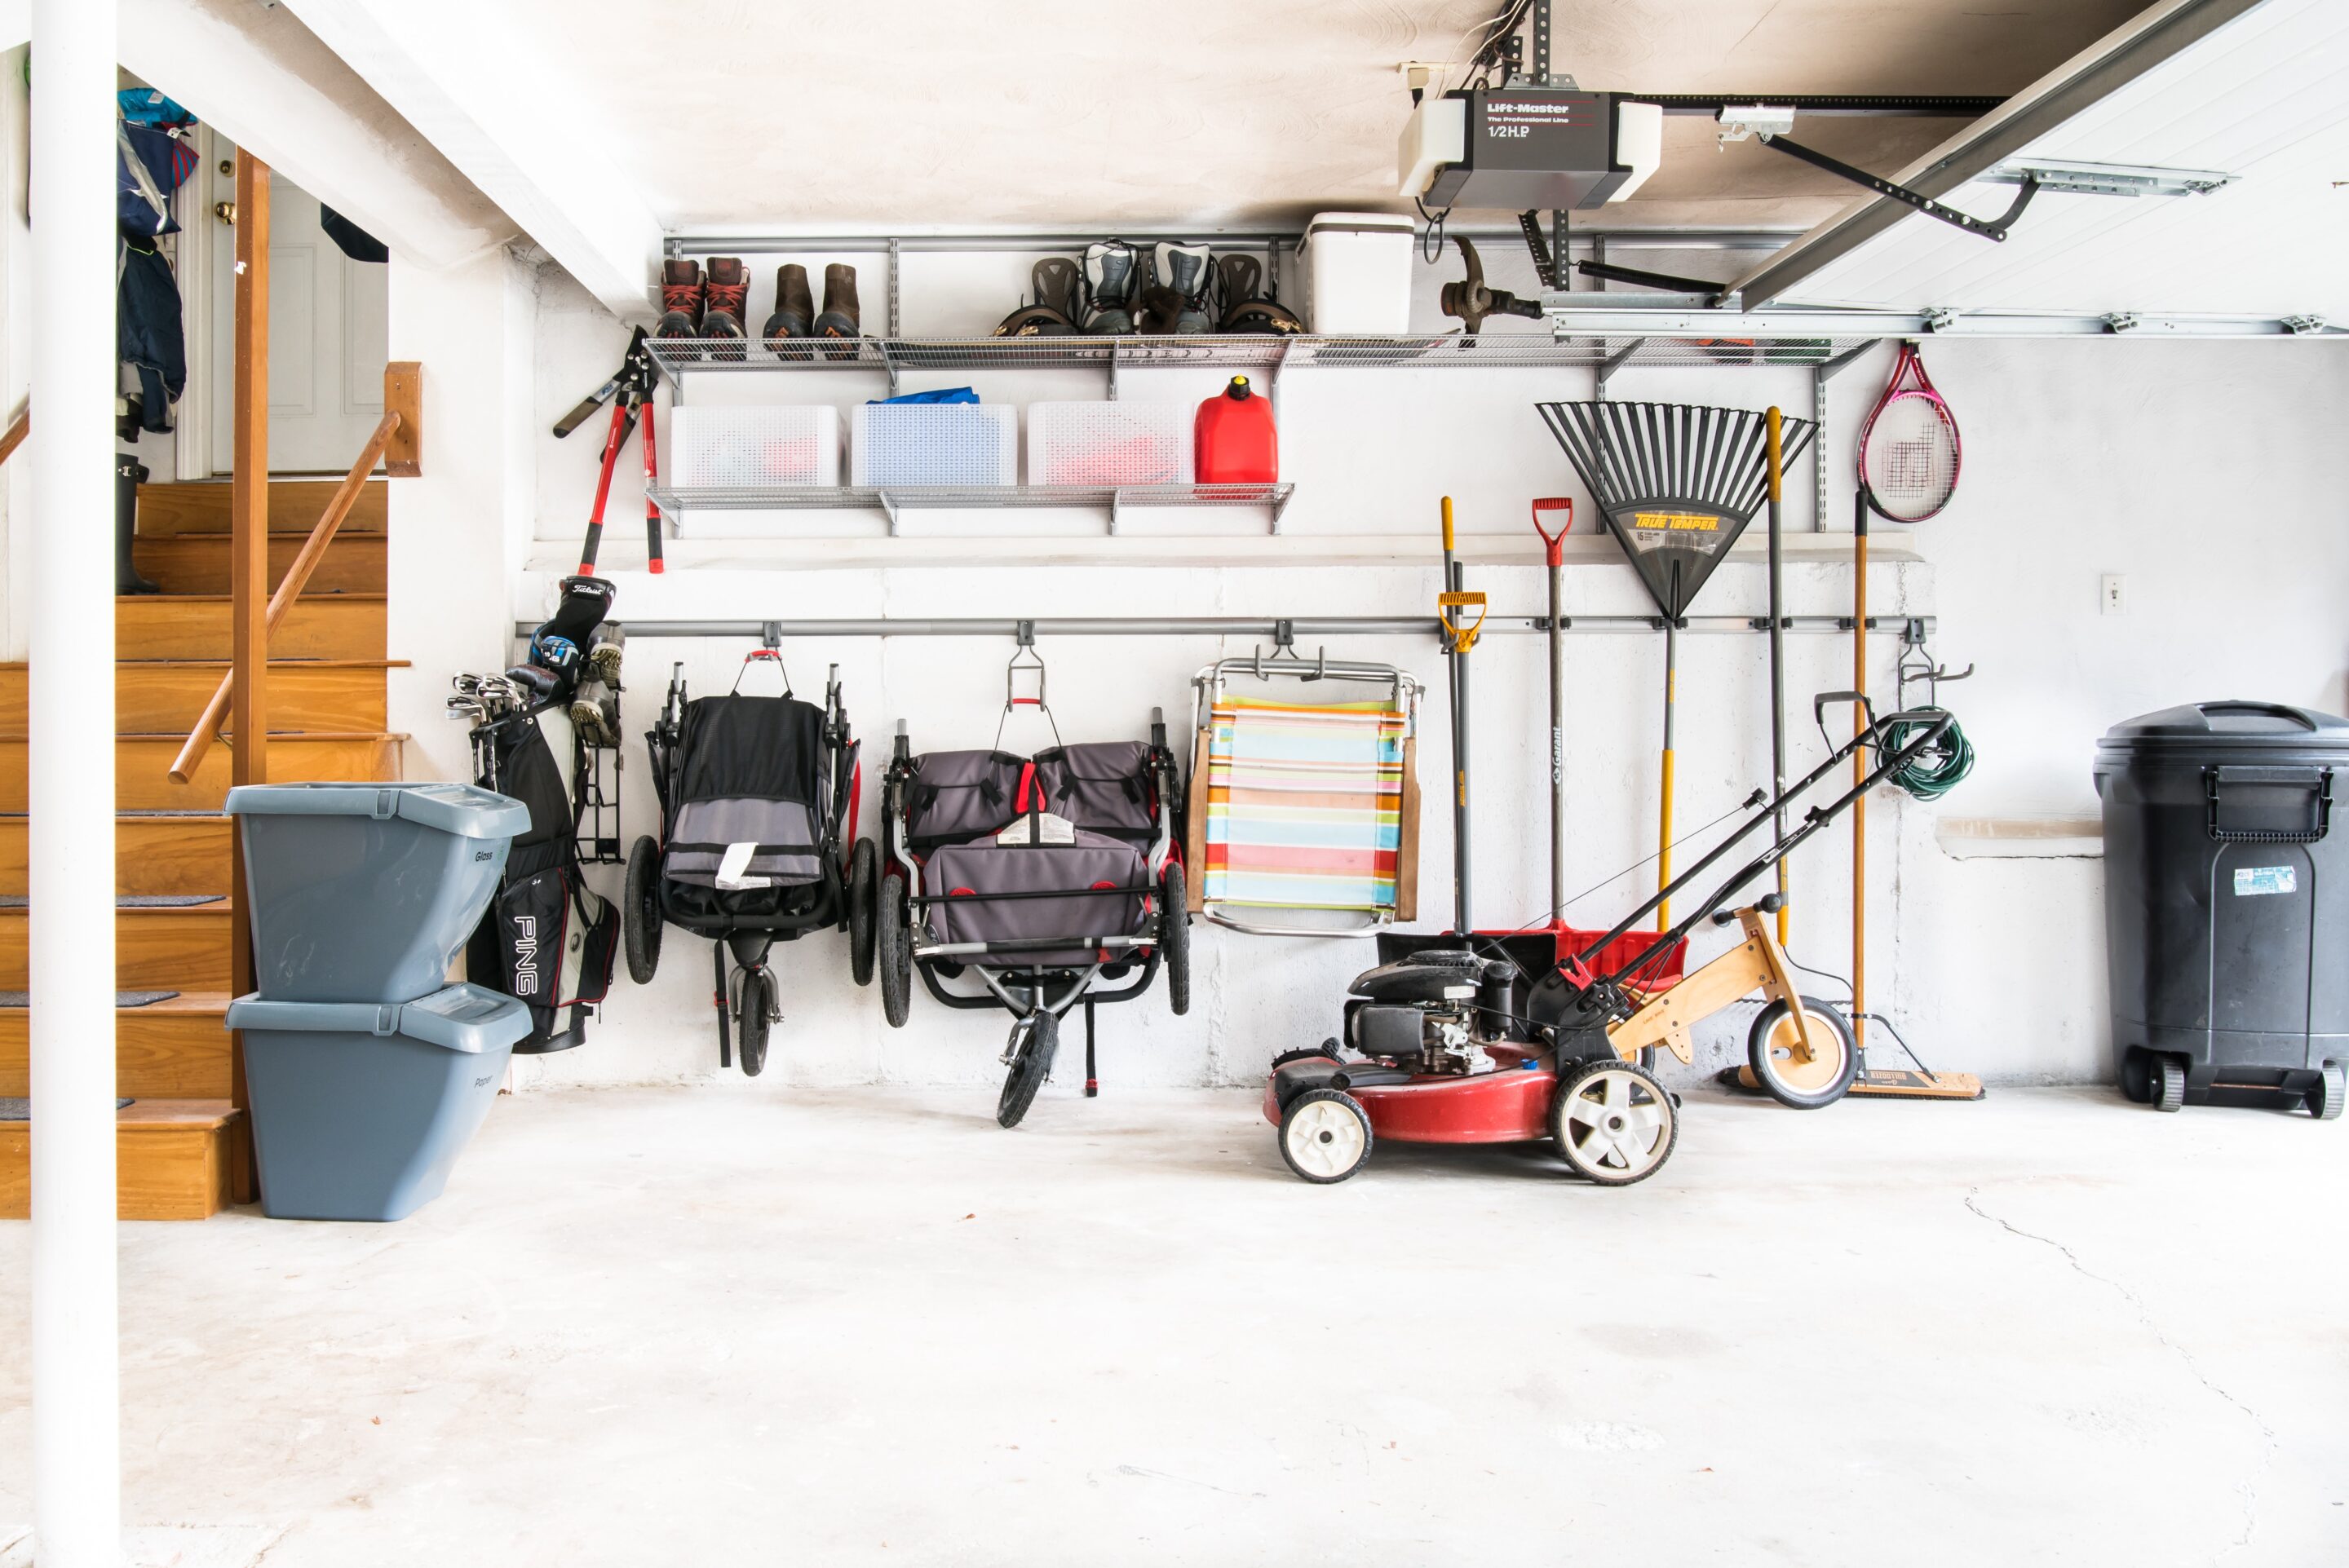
743 1324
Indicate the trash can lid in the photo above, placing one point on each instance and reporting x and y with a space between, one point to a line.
2232 725
466 811
464 1018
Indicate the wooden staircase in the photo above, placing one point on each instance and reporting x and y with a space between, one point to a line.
177 1142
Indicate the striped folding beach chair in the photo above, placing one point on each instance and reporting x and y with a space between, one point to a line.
1303 808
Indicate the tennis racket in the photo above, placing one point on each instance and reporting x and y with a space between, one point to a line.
1909 450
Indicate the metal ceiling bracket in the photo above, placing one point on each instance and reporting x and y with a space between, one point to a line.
1992 229
2072 178
1940 320
2299 325
2121 321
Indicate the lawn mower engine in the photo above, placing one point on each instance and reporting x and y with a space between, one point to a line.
1432 1012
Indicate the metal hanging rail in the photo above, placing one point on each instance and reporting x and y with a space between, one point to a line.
1281 631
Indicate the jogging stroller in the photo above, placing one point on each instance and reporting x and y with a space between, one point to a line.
1049 880
758 803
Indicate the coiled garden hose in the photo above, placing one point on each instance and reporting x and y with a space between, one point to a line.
1937 769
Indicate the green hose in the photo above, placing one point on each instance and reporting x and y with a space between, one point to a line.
1937 769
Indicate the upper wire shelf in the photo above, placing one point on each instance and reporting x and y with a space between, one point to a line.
1502 350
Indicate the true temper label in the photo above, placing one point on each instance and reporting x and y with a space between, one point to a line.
2251 882
1677 522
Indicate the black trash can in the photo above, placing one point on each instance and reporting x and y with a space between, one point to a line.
2227 905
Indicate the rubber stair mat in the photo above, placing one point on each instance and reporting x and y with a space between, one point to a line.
122 998
18 1109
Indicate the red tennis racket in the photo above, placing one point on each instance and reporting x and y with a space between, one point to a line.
1908 449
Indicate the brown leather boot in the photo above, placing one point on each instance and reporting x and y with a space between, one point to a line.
682 299
794 312
727 283
840 317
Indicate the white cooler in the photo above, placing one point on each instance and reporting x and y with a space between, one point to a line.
1358 273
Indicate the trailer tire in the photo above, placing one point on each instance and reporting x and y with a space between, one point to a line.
1031 1064
863 897
1175 938
894 941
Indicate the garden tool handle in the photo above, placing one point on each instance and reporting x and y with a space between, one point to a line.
1555 542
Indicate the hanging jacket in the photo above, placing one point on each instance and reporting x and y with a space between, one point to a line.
148 332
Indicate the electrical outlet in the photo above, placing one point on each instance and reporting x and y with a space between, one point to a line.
2114 599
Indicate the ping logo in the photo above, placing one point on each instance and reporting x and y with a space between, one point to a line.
525 955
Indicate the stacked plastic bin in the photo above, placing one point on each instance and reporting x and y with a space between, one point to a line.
367 1072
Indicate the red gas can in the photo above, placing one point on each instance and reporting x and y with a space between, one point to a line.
1236 444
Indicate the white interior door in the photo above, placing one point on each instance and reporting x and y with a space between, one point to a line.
330 334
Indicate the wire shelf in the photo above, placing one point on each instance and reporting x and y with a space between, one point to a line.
675 501
1498 350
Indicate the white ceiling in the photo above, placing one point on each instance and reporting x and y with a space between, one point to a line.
2265 97
845 117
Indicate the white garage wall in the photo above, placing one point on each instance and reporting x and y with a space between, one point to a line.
2204 471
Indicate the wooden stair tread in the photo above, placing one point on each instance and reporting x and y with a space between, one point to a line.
169 508
276 737
228 599
173 1160
149 1114
19 666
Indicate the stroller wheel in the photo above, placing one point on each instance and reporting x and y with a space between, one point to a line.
1325 1136
1614 1122
864 894
896 942
750 1019
640 916
1035 1040
1175 939
1770 1047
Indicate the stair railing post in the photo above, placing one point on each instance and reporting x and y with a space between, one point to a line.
75 1330
249 588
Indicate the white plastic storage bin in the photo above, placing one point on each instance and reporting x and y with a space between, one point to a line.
935 444
1357 270
1109 443
745 447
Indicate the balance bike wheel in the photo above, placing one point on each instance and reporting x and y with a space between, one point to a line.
1770 1047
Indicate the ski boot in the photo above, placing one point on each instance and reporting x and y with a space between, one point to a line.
1112 271
1181 282
841 316
794 314
682 299
727 288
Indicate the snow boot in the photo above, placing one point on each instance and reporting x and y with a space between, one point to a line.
840 317
727 286
794 312
1112 273
129 473
682 298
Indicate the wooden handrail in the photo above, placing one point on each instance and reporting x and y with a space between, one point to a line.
314 549
19 429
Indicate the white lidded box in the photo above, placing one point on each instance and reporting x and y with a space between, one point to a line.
1358 273
712 446
934 444
1109 443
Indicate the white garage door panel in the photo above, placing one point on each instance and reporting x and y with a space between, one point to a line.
2265 97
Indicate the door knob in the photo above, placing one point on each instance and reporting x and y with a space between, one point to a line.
226 212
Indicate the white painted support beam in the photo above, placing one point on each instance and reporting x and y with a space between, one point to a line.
262 79
482 116
77 1378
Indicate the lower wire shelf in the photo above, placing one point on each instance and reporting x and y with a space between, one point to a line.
673 501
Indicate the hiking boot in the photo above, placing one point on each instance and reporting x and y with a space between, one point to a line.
727 285
681 297
1182 280
840 317
794 312
1112 279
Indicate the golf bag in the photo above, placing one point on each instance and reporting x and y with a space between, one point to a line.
548 939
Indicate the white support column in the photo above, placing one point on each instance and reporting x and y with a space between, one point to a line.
77 1395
